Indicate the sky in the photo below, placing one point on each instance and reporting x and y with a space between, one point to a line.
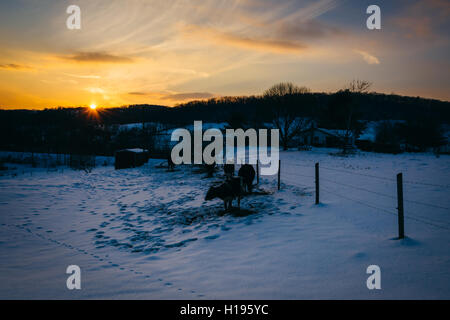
172 51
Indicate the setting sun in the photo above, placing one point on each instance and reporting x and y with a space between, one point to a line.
93 106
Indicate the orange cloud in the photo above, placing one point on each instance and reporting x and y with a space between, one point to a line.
246 42
369 58
310 29
80 76
189 96
97 57
13 66
137 93
417 26
424 19
174 96
278 46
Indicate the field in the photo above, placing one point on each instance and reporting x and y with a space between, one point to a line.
146 233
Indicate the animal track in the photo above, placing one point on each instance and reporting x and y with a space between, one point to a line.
95 256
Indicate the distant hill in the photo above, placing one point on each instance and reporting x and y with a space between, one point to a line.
371 106
83 131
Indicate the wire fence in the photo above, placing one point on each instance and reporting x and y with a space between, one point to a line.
419 183
339 188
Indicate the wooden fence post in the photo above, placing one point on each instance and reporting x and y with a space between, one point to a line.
317 183
401 221
279 170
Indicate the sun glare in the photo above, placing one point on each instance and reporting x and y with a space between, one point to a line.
93 106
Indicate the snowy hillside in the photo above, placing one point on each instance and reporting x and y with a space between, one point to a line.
147 233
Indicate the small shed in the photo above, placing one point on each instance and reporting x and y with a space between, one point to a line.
130 158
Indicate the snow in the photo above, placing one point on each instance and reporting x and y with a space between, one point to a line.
131 126
135 150
370 132
146 233
334 132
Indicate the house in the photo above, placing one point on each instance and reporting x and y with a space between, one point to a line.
321 137
130 158
367 139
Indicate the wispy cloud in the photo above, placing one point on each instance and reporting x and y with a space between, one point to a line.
245 42
174 97
425 19
268 12
14 66
95 90
138 93
80 76
287 27
279 46
369 58
313 10
310 29
178 49
189 96
97 57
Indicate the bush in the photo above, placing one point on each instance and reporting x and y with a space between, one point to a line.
365 145
82 162
420 135
387 148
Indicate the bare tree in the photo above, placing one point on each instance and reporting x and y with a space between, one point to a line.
285 110
358 86
352 126
285 88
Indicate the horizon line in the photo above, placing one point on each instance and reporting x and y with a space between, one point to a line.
200 100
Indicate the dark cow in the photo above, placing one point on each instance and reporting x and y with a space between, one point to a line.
210 168
170 164
229 171
247 173
227 191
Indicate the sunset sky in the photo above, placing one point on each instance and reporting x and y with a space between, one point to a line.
172 51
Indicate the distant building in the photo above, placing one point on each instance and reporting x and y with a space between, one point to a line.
130 158
321 137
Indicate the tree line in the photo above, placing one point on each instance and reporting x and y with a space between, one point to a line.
286 106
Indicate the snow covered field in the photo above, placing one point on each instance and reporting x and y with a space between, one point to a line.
147 233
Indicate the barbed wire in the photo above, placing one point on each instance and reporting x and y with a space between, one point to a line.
417 217
358 188
426 204
427 218
384 195
361 202
298 174
385 178
365 189
414 218
426 222
303 165
367 175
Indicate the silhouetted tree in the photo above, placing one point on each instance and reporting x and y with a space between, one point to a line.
286 100
343 111
237 120
387 133
71 130
418 135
